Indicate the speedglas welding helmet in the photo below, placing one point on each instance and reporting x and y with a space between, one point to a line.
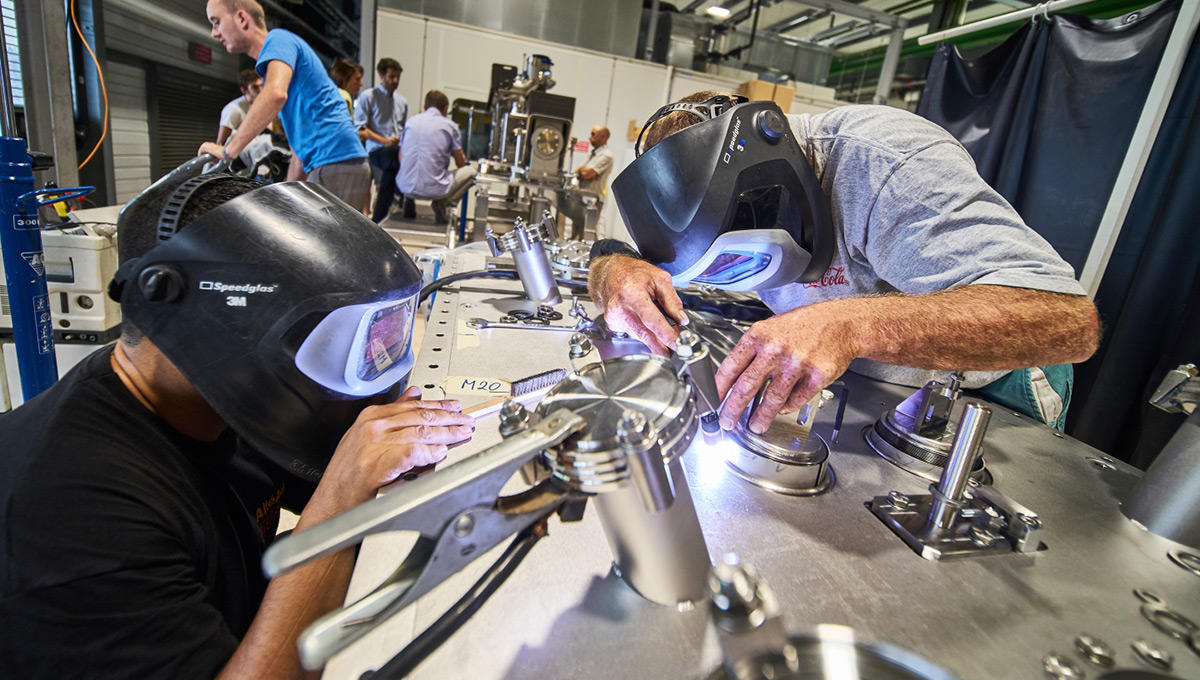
729 202
287 310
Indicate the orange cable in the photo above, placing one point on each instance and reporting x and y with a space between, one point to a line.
103 89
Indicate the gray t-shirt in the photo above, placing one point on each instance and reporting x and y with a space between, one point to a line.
912 215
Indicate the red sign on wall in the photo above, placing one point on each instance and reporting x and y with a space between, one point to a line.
200 53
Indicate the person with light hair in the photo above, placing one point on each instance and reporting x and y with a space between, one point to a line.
298 90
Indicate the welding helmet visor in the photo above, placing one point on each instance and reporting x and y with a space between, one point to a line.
730 202
286 309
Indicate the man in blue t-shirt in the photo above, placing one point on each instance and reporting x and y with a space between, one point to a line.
297 89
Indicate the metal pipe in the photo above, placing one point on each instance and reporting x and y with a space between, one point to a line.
648 53
891 61
8 121
975 26
967 444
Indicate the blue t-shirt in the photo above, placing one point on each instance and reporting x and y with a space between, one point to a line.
315 118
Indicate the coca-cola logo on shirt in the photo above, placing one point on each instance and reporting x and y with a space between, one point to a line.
834 276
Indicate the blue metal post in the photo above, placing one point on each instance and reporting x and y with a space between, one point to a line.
21 243
25 271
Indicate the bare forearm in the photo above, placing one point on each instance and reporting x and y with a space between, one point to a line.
374 136
977 327
261 113
292 602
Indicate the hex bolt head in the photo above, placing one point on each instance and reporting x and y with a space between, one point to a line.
1153 655
1059 667
1031 521
899 500
982 537
1095 650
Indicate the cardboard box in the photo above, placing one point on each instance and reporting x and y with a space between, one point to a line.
783 97
761 90
757 90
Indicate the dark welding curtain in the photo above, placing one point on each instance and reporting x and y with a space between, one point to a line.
1049 113
1048 117
1150 293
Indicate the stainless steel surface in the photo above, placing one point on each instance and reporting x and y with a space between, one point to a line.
1186 560
1169 621
841 653
647 471
828 560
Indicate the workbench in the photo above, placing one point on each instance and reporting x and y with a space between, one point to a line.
829 560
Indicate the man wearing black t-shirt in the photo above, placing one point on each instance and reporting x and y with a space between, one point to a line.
136 502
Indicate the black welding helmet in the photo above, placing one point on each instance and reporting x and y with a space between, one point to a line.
284 307
730 202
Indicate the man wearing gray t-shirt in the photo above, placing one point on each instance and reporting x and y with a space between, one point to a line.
930 271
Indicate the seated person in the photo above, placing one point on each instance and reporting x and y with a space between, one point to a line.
870 235
140 491
429 141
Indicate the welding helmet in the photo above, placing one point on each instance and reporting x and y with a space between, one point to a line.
285 308
730 202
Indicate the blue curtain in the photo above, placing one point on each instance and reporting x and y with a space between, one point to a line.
1048 116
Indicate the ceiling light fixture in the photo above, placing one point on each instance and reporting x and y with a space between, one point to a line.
718 11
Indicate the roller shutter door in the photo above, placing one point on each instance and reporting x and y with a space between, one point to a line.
189 112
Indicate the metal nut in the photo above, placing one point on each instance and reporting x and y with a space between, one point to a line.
1059 667
1153 655
1094 650
899 500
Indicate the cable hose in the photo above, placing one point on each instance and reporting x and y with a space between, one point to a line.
447 624
510 274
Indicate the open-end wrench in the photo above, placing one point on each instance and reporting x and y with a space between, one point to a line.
481 324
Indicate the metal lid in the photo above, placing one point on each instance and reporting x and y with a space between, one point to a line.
851 658
786 459
570 258
601 392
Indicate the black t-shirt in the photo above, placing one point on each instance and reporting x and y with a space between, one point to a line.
127 549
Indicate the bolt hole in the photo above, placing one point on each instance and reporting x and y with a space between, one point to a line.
433 365
429 386
441 335
409 476
437 349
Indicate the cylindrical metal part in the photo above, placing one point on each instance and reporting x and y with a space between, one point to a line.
964 451
647 470
661 556
1167 499
533 266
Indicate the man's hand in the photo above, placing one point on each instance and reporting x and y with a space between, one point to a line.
213 149
385 442
634 294
800 352
393 141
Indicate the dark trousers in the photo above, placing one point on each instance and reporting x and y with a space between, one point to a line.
385 163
